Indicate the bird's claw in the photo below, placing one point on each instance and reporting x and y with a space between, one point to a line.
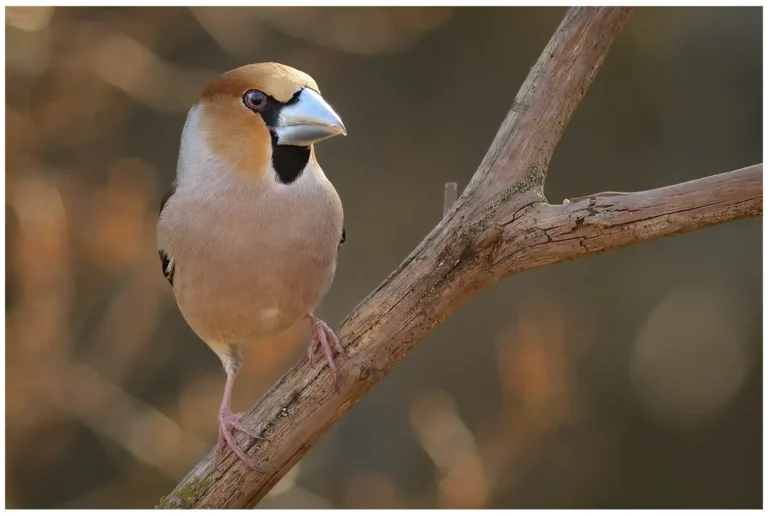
324 338
228 423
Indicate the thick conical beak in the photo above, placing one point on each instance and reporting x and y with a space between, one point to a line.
307 120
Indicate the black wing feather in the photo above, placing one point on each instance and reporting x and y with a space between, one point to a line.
165 260
168 267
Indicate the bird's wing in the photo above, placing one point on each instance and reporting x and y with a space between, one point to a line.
162 234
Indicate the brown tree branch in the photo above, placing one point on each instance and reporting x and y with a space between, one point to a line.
526 141
500 225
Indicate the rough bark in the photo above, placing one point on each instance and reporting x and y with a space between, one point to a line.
500 225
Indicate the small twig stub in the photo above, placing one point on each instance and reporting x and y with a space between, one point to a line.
450 195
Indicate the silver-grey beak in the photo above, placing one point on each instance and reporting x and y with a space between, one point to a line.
307 120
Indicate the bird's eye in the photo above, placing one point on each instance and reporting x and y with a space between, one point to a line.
254 100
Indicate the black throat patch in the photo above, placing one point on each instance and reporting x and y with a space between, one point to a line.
289 161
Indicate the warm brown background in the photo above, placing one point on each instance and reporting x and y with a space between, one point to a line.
630 379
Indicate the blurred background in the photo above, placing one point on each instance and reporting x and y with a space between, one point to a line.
629 379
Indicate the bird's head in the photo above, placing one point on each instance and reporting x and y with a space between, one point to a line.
265 116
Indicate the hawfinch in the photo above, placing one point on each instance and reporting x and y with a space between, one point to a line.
249 233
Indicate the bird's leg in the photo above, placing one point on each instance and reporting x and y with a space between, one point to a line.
228 422
323 337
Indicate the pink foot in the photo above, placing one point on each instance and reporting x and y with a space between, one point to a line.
228 423
324 338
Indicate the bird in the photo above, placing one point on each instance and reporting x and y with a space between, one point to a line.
250 230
